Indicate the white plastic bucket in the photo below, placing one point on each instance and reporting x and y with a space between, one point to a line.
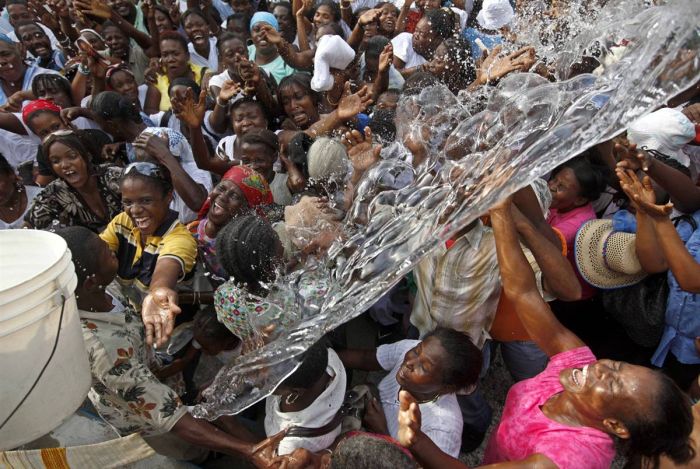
37 284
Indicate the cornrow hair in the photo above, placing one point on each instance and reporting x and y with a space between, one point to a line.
245 247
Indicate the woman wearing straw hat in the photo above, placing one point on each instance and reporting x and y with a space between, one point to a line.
572 413
661 246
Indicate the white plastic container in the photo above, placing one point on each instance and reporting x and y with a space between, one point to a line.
37 278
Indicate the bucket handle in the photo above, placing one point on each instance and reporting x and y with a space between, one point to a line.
64 298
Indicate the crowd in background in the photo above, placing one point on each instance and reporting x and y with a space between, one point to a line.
190 152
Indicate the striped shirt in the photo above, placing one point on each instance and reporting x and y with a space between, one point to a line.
459 287
136 263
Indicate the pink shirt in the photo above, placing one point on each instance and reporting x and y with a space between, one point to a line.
568 223
524 430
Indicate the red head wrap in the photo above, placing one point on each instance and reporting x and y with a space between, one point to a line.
39 105
251 183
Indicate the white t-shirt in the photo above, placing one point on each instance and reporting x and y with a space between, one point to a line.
403 49
212 61
318 414
31 192
441 420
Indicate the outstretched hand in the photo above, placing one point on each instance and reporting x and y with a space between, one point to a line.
641 193
495 66
386 58
361 151
351 105
188 111
158 314
96 8
629 157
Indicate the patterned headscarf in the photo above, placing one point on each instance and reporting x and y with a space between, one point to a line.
39 105
254 187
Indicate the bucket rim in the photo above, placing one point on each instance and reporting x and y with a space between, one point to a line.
38 234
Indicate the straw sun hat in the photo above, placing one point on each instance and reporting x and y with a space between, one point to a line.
607 259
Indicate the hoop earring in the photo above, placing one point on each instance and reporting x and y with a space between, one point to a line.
291 398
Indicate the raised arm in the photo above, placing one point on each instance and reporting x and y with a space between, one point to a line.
557 272
684 193
348 107
304 26
101 9
295 59
403 16
191 114
520 287
684 267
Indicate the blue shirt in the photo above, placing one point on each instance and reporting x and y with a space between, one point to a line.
682 322
490 41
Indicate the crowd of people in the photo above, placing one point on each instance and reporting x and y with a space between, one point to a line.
190 152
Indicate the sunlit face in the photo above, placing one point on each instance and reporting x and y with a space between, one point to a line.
323 15
35 40
163 22
117 41
68 164
566 190
11 64
228 51
197 30
227 201
247 116
174 58
299 106
421 370
609 389
260 158
45 123
145 204
125 84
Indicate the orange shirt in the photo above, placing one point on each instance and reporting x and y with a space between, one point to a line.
507 326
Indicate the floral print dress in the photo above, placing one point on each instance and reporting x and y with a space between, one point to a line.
124 390
59 205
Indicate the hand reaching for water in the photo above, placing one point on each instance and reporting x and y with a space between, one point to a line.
641 193
362 153
158 314
629 157
351 105
386 58
495 66
188 111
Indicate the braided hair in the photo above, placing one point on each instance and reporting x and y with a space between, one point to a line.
246 249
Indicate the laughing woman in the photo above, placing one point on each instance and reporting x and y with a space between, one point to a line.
240 192
155 251
574 413
82 194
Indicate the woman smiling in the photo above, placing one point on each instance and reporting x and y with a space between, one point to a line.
82 194
155 251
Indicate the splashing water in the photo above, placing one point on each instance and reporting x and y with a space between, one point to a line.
473 158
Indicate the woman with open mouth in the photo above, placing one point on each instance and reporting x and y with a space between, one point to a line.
241 191
202 45
82 194
155 251
579 409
